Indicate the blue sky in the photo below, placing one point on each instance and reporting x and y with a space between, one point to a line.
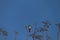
15 14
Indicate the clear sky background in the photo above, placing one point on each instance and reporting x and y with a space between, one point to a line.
15 14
